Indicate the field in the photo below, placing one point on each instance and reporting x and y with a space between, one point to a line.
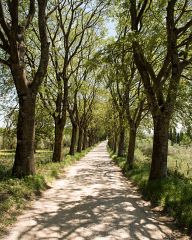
179 157
180 160
7 158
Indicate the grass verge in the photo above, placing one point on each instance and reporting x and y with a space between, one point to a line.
173 194
15 194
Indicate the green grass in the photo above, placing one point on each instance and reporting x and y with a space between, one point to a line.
179 157
15 193
174 194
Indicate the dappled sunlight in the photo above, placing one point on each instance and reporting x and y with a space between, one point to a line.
92 201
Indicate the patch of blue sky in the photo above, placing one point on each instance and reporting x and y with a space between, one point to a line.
111 27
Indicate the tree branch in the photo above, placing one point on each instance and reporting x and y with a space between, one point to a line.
44 59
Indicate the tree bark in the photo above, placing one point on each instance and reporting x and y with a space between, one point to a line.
90 141
24 164
160 148
131 149
73 139
110 142
84 140
90 138
58 144
115 143
80 139
121 142
121 145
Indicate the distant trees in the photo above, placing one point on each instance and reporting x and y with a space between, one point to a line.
111 128
70 28
126 90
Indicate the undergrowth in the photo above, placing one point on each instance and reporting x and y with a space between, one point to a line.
174 193
15 194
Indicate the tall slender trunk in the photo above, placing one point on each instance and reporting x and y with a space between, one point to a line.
73 139
131 149
80 139
58 143
110 142
91 139
84 140
115 143
160 148
121 144
24 164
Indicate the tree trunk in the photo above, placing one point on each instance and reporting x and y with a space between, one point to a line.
110 142
24 164
80 139
131 149
115 143
121 144
73 139
160 148
91 139
84 140
58 144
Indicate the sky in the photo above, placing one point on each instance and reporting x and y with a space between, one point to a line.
111 28
2 124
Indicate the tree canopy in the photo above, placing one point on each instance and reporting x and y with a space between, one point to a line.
65 82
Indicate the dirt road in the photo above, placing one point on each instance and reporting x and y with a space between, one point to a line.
92 201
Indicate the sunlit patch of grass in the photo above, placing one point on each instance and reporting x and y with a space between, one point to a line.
14 194
180 159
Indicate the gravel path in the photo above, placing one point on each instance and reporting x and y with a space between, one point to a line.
92 201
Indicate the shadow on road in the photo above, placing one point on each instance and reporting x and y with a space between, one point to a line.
93 201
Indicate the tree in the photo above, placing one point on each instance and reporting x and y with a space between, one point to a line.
127 92
13 28
82 74
68 33
85 103
161 79
96 130
44 127
79 76
111 128
112 71
183 109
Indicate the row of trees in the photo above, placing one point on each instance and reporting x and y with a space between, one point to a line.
50 52
147 69
46 48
